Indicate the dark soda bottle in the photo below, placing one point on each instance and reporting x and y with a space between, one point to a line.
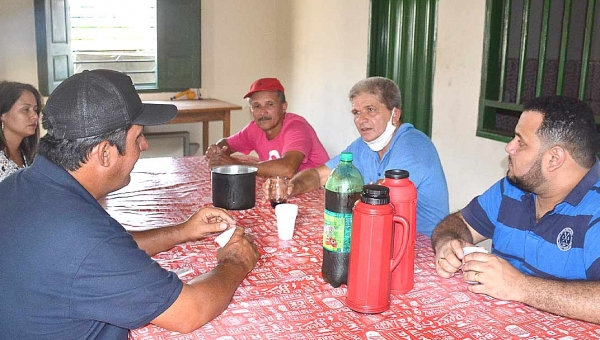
342 190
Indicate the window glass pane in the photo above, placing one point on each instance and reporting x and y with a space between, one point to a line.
532 53
115 34
555 28
592 92
574 49
514 50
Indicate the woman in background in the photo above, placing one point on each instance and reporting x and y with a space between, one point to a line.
20 107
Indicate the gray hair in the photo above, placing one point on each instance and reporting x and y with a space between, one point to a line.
385 89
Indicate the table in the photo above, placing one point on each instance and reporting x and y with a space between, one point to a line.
284 297
202 110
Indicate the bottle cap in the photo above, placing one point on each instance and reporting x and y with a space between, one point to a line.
396 174
346 156
375 194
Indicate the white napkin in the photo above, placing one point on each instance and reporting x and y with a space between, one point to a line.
224 237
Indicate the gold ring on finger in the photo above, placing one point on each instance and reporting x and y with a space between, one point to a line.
477 277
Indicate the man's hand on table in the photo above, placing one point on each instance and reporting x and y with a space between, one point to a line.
486 273
219 155
448 257
212 150
264 198
205 221
240 250
202 222
496 276
303 182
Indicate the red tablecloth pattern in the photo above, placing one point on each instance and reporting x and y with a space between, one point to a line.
284 297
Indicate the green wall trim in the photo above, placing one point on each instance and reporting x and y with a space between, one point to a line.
402 48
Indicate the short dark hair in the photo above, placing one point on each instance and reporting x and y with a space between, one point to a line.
71 154
385 89
10 92
569 123
281 96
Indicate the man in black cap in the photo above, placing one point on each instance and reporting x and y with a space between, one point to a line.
69 270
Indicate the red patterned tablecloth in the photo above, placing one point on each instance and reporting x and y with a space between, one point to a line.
284 297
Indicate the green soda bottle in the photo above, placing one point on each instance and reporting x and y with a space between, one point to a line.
342 190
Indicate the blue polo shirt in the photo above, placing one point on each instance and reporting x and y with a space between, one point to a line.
413 151
563 244
67 269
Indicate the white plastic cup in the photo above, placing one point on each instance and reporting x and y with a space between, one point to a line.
286 220
470 250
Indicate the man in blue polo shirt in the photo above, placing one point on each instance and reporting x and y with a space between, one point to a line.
386 143
542 217
71 271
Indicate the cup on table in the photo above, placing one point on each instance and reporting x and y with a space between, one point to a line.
470 250
278 187
286 220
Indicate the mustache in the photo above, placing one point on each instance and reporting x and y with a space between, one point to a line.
264 118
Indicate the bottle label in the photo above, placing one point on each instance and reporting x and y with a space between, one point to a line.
337 231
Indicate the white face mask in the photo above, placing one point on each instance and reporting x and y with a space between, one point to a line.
380 142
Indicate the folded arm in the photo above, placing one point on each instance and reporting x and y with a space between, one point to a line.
286 166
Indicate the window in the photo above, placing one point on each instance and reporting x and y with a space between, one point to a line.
117 35
534 48
159 49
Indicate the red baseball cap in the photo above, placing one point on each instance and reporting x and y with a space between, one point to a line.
265 84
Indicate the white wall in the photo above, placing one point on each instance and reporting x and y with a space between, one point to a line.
319 50
472 164
18 59
328 56
297 41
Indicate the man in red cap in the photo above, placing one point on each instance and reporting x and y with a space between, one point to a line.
285 142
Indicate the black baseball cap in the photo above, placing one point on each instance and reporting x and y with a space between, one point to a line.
95 102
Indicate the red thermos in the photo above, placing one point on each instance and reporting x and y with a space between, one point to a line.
371 262
403 196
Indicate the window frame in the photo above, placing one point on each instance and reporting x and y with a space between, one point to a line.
178 45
